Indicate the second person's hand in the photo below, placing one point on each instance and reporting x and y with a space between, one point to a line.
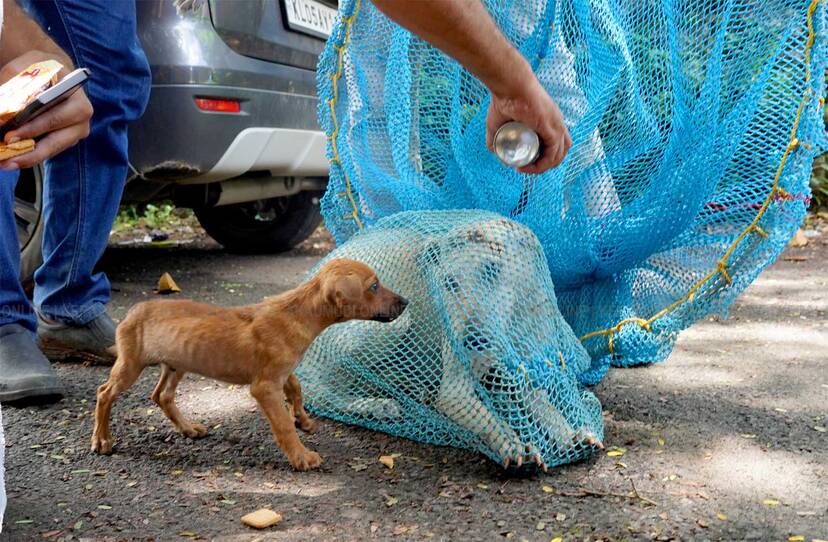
528 102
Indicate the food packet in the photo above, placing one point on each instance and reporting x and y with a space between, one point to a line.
20 90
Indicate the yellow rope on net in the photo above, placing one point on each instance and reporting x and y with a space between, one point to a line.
753 227
348 22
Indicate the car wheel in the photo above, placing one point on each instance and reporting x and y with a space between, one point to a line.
28 214
263 226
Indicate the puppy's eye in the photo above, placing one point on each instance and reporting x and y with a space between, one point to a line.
374 287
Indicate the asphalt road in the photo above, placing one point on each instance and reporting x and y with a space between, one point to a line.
724 441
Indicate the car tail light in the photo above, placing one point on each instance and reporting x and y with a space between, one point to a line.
220 105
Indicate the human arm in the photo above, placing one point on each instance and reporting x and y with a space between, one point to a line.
22 43
464 30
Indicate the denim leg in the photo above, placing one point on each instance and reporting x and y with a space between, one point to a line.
14 306
84 184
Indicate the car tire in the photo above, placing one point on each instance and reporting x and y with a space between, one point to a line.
264 226
28 214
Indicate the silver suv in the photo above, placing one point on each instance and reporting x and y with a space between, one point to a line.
231 127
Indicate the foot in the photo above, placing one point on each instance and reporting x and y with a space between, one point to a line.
25 374
519 454
306 424
194 430
93 342
305 460
101 445
584 437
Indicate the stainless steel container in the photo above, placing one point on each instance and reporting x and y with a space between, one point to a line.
516 144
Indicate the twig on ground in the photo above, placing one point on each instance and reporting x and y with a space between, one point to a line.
638 495
585 492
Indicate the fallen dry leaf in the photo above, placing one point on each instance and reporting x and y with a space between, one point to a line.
557 539
540 526
548 489
387 460
796 538
188 534
771 502
166 285
721 516
615 453
661 442
391 501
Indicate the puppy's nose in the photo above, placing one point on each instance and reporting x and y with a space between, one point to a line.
403 303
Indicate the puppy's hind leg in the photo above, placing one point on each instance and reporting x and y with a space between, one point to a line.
124 373
164 397
293 393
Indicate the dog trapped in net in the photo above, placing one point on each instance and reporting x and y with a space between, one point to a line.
481 358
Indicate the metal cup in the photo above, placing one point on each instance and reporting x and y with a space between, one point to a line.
516 144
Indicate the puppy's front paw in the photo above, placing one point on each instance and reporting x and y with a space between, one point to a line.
305 460
195 430
101 445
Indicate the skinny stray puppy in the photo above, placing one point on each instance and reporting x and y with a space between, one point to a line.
259 345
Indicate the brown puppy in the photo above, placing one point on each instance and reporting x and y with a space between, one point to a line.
259 345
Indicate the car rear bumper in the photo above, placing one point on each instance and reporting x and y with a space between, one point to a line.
281 151
275 132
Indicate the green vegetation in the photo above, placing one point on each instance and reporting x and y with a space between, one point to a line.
819 184
160 216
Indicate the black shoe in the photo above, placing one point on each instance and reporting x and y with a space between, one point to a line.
93 342
25 373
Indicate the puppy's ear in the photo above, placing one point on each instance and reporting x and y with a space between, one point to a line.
346 288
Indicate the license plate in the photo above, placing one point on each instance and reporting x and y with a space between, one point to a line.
310 17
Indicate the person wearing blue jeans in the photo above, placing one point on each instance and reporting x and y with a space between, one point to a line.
81 193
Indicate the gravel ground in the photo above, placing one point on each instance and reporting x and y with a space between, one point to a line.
725 441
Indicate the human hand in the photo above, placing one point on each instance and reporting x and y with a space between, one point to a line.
63 125
528 102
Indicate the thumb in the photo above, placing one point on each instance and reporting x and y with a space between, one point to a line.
494 120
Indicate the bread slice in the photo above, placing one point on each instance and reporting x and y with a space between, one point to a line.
16 149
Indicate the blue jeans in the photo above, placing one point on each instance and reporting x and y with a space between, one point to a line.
83 185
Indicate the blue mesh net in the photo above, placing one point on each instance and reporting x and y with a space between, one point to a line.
694 128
